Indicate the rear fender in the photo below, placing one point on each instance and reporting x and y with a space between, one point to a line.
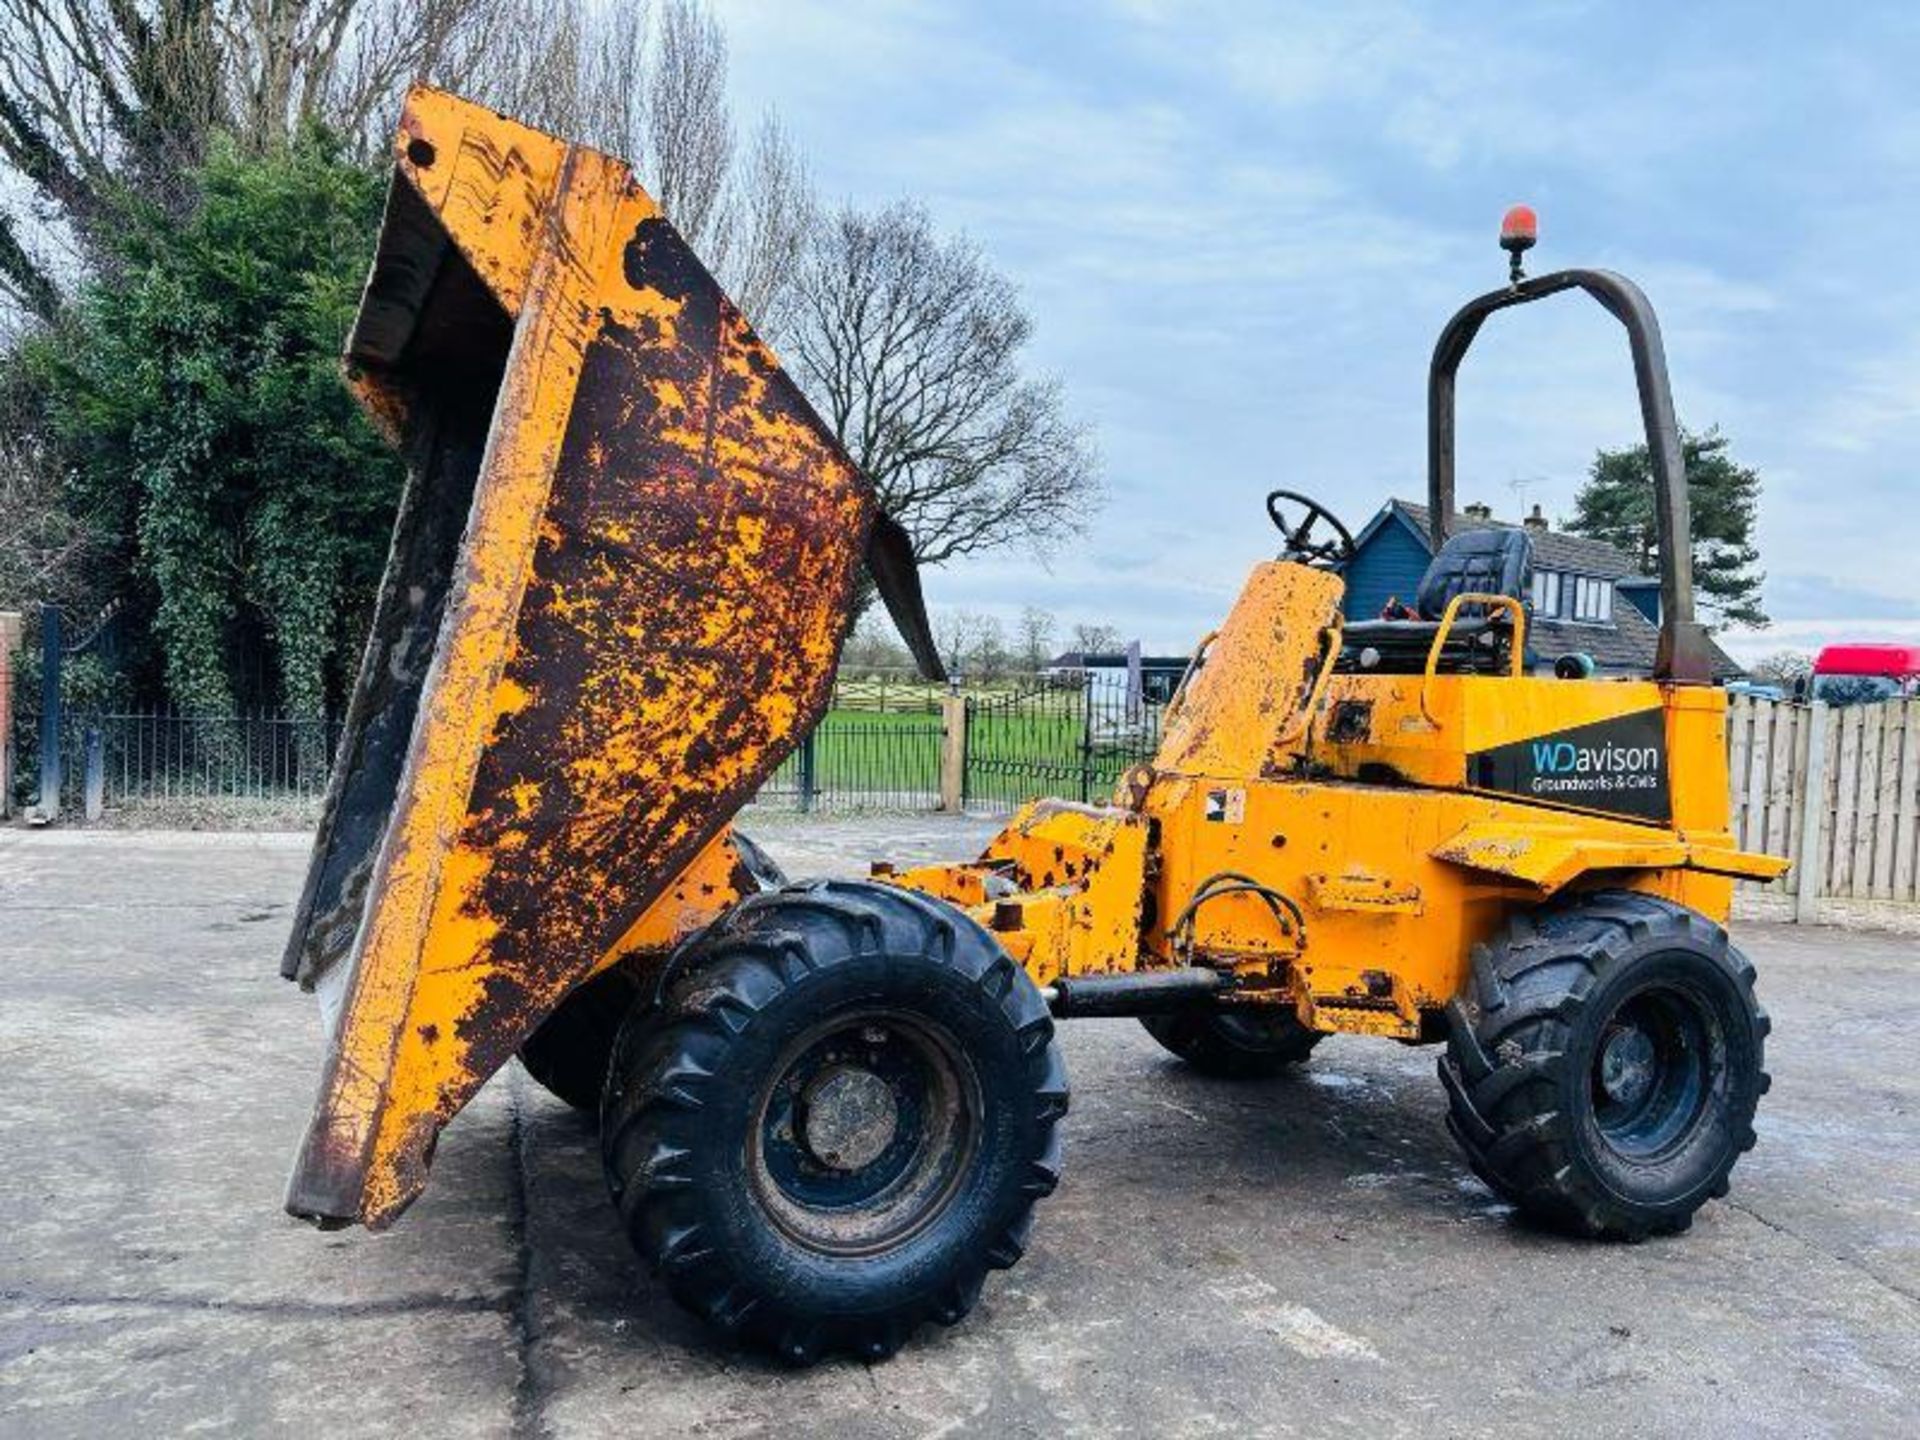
1550 855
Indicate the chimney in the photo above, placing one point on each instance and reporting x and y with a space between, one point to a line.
1536 522
1477 511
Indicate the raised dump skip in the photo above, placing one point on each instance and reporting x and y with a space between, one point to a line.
615 599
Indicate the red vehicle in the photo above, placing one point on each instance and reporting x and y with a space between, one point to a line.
1851 674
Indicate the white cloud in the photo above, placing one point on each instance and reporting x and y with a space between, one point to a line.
1810 635
1876 402
1240 226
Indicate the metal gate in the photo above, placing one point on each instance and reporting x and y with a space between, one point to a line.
876 748
1073 737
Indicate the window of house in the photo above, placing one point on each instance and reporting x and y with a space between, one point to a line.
1592 600
1546 593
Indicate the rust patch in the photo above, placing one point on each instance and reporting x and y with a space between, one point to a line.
677 634
1351 722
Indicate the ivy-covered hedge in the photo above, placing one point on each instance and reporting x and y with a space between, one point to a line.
195 397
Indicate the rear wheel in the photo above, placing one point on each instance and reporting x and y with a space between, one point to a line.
839 1120
1241 1043
568 1054
1605 1066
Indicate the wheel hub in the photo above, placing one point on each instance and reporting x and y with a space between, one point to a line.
848 1117
866 1127
1626 1066
1655 1070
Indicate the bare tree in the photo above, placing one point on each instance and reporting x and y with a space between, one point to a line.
1784 667
45 548
615 51
872 649
911 346
98 97
1095 639
1036 638
963 637
989 658
104 97
689 125
570 67
289 63
650 86
767 216
536 56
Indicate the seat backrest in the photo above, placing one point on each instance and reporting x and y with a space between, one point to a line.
1485 562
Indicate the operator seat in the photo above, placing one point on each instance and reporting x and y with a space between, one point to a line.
1481 562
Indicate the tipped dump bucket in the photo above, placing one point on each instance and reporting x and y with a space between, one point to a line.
619 580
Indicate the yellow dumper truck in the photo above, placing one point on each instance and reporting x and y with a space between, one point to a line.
620 577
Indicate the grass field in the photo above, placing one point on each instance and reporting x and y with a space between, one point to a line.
1014 752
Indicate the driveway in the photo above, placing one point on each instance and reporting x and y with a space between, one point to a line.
1303 1256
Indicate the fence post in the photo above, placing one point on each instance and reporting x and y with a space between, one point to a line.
953 753
9 642
1086 739
95 788
1808 842
806 772
51 652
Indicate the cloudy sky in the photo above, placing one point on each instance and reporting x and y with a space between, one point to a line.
1239 226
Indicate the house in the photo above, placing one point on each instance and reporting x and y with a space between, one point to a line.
1588 597
1159 674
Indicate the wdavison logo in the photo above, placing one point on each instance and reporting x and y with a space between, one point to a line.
1617 765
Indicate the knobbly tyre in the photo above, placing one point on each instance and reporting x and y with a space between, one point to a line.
620 576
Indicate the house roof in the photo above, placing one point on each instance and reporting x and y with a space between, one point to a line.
1114 660
1629 643
1552 549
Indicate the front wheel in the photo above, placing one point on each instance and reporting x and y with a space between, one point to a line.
838 1121
1239 1043
1604 1068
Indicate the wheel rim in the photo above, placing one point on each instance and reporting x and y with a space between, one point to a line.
1660 1059
864 1133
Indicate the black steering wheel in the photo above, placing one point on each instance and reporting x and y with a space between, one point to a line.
1301 547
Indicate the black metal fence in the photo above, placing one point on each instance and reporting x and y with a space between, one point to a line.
880 747
157 759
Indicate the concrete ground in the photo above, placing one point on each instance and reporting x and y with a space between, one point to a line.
1305 1256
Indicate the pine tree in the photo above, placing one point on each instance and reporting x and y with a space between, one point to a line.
1617 505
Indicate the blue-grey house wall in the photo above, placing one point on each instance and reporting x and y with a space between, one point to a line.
1387 564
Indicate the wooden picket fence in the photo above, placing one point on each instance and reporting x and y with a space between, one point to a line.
1863 764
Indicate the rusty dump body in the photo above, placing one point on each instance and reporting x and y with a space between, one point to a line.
619 581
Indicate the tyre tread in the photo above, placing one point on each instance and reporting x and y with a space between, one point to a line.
1508 1047
767 945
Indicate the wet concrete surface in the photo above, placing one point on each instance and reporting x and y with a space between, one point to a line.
1304 1256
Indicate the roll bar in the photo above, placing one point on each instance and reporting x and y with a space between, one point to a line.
1685 653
